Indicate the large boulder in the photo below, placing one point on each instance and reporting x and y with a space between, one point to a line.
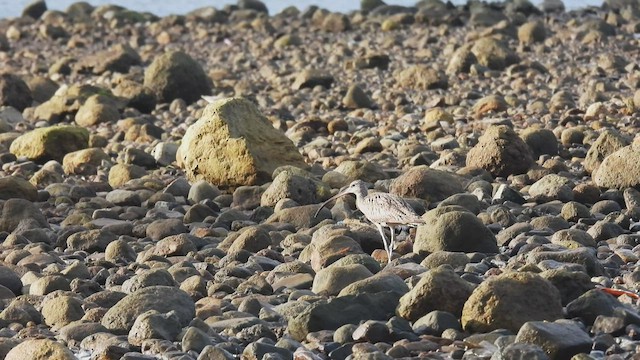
501 152
509 300
233 144
428 184
451 228
176 75
50 143
619 170
120 318
438 289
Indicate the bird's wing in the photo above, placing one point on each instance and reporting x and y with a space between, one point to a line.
389 209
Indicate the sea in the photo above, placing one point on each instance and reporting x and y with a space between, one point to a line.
13 8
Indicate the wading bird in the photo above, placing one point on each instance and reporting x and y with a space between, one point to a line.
382 209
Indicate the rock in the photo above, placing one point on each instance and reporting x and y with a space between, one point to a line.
120 318
153 277
521 351
361 170
461 60
501 152
255 5
336 23
118 58
14 92
552 187
582 255
16 212
607 143
560 339
62 310
35 9
532 32
509 300
379 282
421 77
356 98
120 197
174 75
48 284
50 143
302 189
120 174
119 251
65 103
541 141
619 170
323 251
368 5
311 78
154 325
40 349
435 322
437 258
165 153
202 190
453 231
90 240
13 187
331 280
174 245
493 54
428 184
260 350
323 315
571 284
233 144
160 229
96 110
84 162
591 304
10 280
196 340
438 289
136 95
252 239
489 105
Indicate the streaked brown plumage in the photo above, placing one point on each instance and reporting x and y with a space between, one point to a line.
382 209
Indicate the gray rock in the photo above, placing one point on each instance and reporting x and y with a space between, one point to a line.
154 325
591 304
119 251
435 322
343 310
521 351
14 92
560 340
162 228
379 282
202 190
152 277
552 187
10 280
583 256
194 339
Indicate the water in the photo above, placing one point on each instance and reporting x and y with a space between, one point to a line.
12 8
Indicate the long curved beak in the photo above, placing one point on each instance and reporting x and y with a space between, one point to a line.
341 193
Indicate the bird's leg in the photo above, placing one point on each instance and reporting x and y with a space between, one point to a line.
392 246
384 240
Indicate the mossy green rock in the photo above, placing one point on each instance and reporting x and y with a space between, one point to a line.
50 143
233 144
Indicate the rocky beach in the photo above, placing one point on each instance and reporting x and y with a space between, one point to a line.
160 178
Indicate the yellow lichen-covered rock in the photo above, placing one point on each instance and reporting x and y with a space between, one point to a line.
233 144
50 143
85 161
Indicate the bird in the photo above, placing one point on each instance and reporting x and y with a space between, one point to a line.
381 209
